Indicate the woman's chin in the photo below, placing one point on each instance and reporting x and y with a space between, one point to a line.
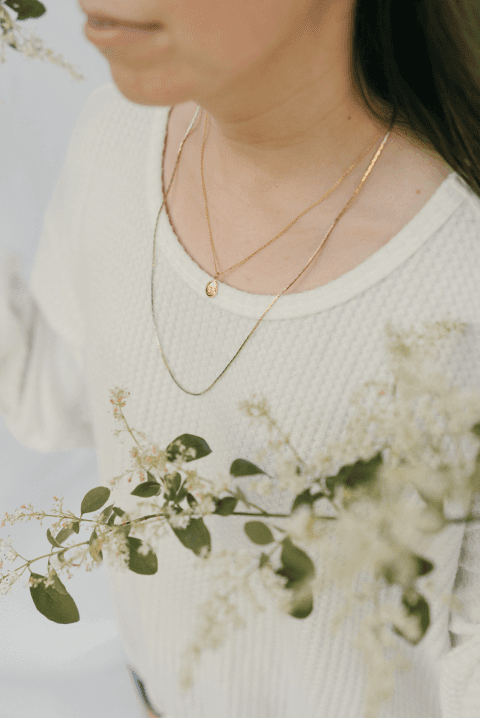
141 90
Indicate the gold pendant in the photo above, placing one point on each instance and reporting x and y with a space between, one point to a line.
212 288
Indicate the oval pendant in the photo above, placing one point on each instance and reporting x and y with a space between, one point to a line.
212 288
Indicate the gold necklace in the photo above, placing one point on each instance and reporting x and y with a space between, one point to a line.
212 286
362 182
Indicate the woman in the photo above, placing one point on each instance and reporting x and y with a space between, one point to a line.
291 93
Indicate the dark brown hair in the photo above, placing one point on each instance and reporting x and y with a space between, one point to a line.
421 60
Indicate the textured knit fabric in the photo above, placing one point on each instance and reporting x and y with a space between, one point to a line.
84 326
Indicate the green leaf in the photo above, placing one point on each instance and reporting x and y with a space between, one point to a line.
94 499
241 467
63 535
297 566
61 556
394 572
56 605
57 584
301 603
93 548
424 566
172 482
306 498
118 512
192 501
106 512
226 506
241 495
192 444
151 477
194 536
147 489
181 494
417 607
111 520
264 559
258 532
76 527
144 565
476 429
352 475
52 540
26 9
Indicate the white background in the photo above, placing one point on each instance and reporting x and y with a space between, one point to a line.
49 670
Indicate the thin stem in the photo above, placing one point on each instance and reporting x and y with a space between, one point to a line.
47 555
287 441
467 519
126 423
263 513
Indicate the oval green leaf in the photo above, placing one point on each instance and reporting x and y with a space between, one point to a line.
226 506
52 540
241 467
181 494
194 448
258 532
301 604
195 536
95 499
143 565
63 535
94 548
172 483
297 565
57 606
417 607
106 512
192 501
147 489
26 9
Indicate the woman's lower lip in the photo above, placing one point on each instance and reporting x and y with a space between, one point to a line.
113 35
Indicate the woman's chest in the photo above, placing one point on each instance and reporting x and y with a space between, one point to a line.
265 249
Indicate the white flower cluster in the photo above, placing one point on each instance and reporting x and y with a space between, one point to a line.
115 549
376 642
262 486
149 457
7 582
229 577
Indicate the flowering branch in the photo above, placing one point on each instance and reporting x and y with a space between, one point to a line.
405 442
11 35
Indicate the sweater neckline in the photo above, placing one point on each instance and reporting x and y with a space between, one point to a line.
376 267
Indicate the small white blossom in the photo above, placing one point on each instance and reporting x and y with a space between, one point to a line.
179 521
299 522
206 506
261 486
7 582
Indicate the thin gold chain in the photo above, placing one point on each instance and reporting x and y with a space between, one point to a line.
322 199
363 180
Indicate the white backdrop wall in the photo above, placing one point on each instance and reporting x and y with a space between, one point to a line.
48 670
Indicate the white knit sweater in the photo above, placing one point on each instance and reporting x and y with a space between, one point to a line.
84 326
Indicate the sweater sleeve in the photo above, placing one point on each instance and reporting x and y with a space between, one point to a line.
42 332
460 668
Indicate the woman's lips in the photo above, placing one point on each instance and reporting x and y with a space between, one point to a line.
107 32
101 21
